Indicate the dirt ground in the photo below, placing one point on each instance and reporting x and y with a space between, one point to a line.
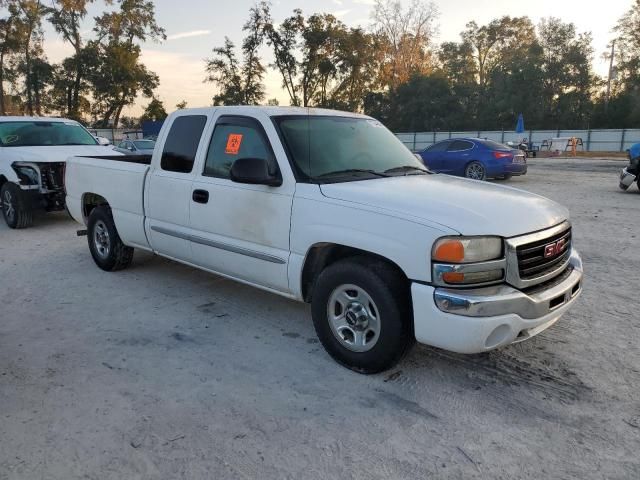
165 372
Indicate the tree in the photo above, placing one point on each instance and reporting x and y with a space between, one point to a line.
66 17
567 78
321 61
119 76
240 83
9 48
154 112
181 105
39 79
223 71
283 39
623 108
408 35
31 13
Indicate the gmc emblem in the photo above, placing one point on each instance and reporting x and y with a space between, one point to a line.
554 249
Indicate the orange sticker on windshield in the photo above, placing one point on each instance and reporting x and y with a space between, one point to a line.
233 144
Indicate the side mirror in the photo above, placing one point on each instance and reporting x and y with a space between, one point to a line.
254 171
103 141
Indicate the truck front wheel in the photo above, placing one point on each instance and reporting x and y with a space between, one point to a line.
106 247
362 315
15 206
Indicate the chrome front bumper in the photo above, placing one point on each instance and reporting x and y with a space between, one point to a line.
532 303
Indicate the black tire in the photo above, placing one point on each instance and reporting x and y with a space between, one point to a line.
106 247
390 293
16 208
476 171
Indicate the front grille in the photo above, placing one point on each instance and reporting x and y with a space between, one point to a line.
535 260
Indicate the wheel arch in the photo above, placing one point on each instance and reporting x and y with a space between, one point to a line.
323 254
90 201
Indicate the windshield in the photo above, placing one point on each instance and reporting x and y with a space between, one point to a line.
144 144
345 148
43 134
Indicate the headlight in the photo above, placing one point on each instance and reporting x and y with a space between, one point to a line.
468 261
467 249
27 175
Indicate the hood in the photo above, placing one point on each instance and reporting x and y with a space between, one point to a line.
467 206
51 154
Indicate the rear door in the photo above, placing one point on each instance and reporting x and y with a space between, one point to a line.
242 230
168 194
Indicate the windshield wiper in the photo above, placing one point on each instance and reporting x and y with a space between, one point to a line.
352 170
406 168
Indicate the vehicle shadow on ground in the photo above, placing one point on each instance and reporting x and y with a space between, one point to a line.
525 371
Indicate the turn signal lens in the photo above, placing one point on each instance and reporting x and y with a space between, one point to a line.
449 251
453 277
472 277
467 249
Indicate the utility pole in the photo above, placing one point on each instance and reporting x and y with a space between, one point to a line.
606 100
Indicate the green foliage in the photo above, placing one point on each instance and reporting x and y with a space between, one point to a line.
623 108
502 69
322 62
154 112
240 83
118 76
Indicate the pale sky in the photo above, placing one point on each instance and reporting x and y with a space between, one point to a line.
195 27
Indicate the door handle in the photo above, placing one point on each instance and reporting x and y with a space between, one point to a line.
200 196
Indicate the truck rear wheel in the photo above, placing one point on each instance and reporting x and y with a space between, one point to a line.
106 247
362 315
15 206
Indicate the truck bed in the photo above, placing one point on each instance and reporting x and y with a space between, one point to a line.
120 179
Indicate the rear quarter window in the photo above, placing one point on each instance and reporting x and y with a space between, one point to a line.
181 145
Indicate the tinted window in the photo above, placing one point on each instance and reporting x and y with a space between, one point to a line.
438 147
458 145
182 143
144 144
235 138
494 145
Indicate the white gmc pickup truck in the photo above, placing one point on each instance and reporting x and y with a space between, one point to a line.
330 208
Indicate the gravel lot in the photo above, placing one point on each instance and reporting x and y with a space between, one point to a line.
162 371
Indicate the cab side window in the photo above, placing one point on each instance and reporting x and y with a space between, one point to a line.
182 142
234 138
438 147
460 145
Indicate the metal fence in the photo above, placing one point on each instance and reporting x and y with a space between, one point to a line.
593 140
115 135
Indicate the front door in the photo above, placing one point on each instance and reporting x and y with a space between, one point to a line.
241 230
433 155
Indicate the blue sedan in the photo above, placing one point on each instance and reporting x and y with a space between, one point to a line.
474 158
